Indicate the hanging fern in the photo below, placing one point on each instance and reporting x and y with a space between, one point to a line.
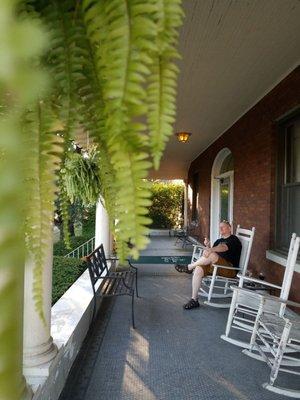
20 82
45 148
64 204
112 73
63 60
163 79
91 111
81 177
121 67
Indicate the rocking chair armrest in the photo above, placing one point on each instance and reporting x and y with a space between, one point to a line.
255 280
293 304
225 267
201 245
251 293
281 301
265 297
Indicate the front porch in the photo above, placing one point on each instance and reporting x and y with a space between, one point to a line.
172 354
238 95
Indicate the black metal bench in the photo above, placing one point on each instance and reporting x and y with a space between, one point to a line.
114 283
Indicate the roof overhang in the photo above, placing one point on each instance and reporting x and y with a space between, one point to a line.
233 54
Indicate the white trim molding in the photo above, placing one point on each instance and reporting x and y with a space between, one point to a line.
280 259
215 193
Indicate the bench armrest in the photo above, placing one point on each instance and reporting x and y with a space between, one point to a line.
132 266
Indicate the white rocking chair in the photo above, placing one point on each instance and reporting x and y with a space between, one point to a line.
219 287
245 303
277 340
197 252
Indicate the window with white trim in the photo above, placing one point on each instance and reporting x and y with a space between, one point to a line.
288 183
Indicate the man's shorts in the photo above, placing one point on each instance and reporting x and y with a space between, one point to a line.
227 273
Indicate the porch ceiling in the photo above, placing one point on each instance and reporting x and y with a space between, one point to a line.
233 53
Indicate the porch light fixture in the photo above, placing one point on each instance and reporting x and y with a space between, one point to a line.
183 137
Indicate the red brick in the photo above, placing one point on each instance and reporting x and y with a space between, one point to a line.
253 143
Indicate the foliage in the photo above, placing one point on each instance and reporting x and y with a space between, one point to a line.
162 87
88 222
65 272
43 160
129 33
81 177
20 82
104 60
166 209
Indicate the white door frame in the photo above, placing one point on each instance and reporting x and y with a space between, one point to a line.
215 193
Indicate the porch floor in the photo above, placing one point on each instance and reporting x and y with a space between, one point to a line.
172 354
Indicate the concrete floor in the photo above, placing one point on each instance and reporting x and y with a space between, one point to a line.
172 354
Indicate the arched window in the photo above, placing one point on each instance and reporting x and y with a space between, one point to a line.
227 164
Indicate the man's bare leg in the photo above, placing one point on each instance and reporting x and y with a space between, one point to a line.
196 281
198 272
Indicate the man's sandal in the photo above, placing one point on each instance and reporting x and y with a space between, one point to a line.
191 304
182 268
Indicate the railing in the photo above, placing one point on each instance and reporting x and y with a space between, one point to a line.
83 250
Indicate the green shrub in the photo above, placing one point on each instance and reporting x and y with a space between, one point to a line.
88 222
65 272
166 209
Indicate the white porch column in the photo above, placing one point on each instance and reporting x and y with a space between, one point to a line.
185 208
38 346
102 234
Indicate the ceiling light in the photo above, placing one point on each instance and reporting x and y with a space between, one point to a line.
183 137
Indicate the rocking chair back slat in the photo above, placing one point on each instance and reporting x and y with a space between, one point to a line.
197 252
290 266
246 237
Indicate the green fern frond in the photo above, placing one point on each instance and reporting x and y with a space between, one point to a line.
22 41
91 110
163 79
81 177
64 59
64 203
45 148
122 34
132 201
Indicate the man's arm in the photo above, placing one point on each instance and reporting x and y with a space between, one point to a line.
220 248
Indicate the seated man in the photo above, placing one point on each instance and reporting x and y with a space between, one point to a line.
226 251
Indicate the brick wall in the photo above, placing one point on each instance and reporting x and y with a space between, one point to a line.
252 141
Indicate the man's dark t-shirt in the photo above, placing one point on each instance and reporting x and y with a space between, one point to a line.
233 253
